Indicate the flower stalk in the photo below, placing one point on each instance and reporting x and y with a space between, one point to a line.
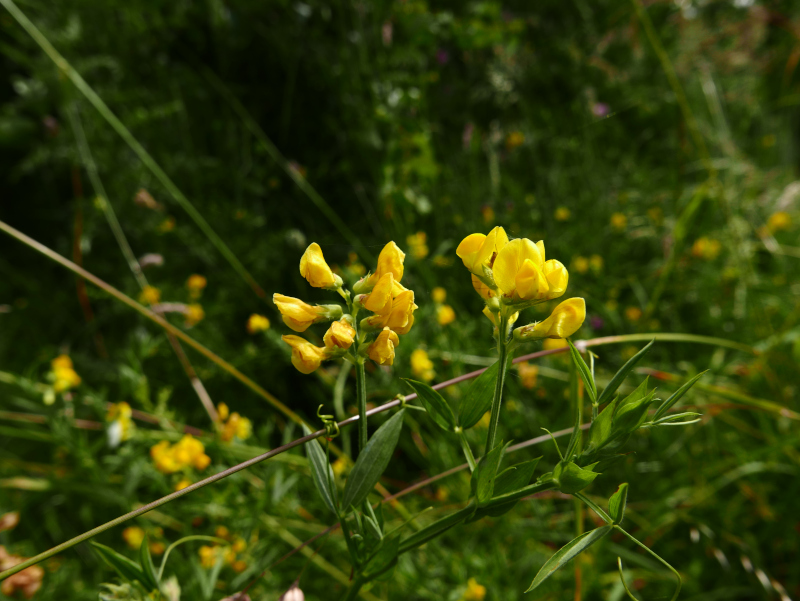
361 394
502 351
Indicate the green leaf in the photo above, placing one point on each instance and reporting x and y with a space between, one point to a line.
584 371
632 411
478 399
515 477
384 558
321 472
435 405
676 396
617 502
126 568
569 551
148 569
572 478
486 472
372 461
620 376
600 429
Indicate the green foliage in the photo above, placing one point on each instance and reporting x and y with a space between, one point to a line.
478 398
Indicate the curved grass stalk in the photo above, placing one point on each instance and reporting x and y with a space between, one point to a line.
149 162
152 317
133 263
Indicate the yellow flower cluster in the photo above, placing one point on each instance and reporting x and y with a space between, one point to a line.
228 553
511 275
444 313
706 248
779 221
188 452
63 374
582 264
474 592
120 424
194 314
528 374
150 295
418 245
233 425
381 293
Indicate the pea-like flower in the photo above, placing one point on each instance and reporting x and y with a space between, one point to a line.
389 261
400 317
305 356
299 315
521 272
563 322
478 251
315 269
382 350
340 335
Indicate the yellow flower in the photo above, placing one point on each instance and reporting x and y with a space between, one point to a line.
235 426
157 548
389 261
122 427
563 322
223 412
488 214
521 272
779 221
150 295
445 315
418 245
196 283
633 313
596 262
134 536
475 591
382 350
478 251
706 248
305 356
209 555
340 335
562 214
439 294
187 452
63 374
619 221
222 532
167 225
380 299
257 323
400 318
528 374
554 343
194 315
339 467
580 264
314 269
182 484
297 314
514 140
422 366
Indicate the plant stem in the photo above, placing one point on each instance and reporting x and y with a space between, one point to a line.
658 557
467 451
502 351
361 393
348 540
355 588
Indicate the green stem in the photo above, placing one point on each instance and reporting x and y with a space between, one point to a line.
134 144
355 588
658 557
349 541
361 393
467 450
502 351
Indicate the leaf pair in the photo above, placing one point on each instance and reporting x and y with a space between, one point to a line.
477 401
143 572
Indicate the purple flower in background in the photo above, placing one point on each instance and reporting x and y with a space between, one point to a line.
596 322
442 56
600 109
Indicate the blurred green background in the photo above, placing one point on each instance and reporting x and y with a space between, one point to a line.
665 183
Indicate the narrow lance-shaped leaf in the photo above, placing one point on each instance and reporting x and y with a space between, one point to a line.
617 503
372 461
321 472
478 399
584 372
515 477
569 551
486 472
676 396
600 429
383 558
620 376
146 561
126 568
435 405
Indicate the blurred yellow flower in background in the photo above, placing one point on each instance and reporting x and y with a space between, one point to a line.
515 139
417 244
133 536
580 264
194 315
422 366
706 248
188 452
196 284
167 225
618 221
779 221
257 323
445 315
562 214
439 294
528 374
150 295
63 374
475 591
633 314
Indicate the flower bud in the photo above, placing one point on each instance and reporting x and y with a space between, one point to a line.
314 269
389 261
299 315
305 356
563 322
382 350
